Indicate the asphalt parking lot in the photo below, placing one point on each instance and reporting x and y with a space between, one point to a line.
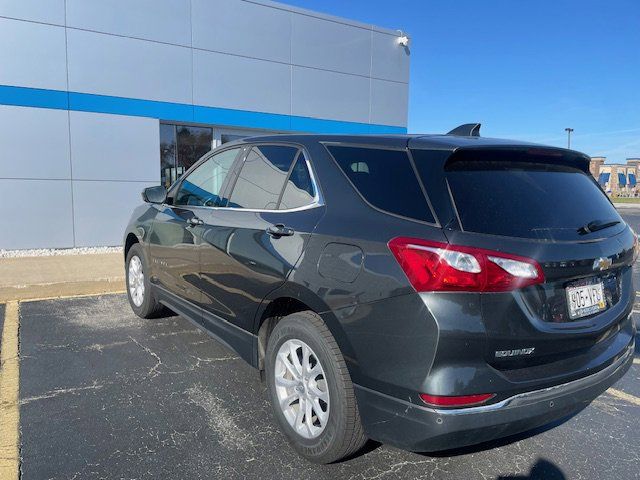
105 394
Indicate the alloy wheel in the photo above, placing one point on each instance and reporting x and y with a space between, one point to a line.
301 388
136 281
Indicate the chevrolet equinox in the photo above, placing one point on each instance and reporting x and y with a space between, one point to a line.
425 291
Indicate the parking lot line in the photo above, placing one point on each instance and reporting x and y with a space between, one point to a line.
65 297
632 399
9 406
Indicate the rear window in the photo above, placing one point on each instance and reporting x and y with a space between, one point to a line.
543 200
384 178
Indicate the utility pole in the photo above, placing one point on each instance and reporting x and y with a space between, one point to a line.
568 130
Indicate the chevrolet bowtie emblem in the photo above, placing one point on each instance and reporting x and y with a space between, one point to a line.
602 263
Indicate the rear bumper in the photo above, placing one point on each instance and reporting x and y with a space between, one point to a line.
420 428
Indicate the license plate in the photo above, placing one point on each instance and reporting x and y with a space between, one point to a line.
585 300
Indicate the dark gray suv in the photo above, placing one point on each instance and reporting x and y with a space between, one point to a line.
429 292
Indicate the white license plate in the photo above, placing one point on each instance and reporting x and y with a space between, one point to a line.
585 300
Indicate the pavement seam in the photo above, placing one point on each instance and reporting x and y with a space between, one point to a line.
9 395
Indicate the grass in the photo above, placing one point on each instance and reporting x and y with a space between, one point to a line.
625 200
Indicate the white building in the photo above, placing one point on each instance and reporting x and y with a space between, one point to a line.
101 98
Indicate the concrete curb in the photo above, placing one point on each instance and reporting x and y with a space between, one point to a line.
627 205
57 290
28 278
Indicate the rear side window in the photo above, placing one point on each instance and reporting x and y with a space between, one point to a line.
262 177
299 190
385 178
542 201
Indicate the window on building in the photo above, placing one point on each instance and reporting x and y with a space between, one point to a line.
228 137
385 178
262 177
205 186
180 147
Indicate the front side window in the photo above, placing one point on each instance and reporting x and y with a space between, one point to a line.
262 177
385 179
299 190
205 186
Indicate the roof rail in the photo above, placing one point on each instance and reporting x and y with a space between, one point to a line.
466 130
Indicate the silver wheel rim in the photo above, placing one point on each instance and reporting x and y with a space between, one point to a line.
301 388
136 281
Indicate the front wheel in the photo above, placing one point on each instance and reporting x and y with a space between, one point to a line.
141 298
311 390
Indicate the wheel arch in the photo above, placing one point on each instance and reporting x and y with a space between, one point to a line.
129 242
286 300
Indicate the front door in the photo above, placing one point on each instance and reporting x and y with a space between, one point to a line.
177 228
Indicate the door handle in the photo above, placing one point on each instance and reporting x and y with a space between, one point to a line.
279 230
194 221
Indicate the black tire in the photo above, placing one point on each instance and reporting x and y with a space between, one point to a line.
150 307
343 434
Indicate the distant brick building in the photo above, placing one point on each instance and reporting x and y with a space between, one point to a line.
617 178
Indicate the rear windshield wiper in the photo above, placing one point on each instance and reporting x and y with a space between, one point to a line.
596 225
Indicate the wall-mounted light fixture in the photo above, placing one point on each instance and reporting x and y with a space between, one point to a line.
403 40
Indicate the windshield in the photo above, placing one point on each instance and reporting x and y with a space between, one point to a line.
530 200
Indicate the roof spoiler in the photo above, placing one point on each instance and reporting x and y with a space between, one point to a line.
466 130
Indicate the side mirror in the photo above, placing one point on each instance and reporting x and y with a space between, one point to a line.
154 194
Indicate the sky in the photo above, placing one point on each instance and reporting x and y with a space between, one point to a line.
526 70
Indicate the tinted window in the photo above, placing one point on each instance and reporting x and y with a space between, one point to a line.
542 201
180 147
168 172
299 190
193 143
386 179
262 177
206 184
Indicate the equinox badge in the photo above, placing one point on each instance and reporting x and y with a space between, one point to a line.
515 353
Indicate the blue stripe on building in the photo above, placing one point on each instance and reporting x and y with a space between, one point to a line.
180 112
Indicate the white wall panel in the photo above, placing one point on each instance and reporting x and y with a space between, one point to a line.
126 67
35 214
241 28
115 147
389 60
229 81
322 94
330 45
160 20
34 143
47 11
32 55
389 103
102 210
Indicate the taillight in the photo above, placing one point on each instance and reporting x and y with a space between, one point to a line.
457 401
437 267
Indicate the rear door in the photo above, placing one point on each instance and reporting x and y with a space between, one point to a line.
543 204
249 246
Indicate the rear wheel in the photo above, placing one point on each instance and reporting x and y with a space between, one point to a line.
141 298
311 390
